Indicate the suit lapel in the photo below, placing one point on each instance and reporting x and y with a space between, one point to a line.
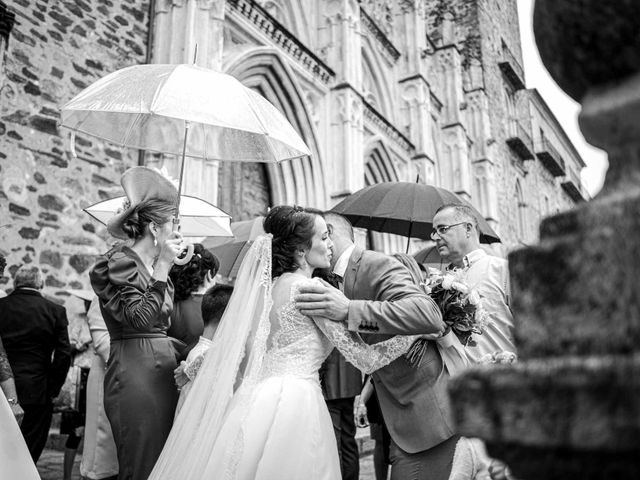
351 272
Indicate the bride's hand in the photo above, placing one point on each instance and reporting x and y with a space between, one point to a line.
179 376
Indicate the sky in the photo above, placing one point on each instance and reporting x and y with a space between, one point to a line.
565 109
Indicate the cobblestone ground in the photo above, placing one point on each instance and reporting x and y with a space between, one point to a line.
50 466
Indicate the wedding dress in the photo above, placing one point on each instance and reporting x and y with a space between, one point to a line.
15 460
275 424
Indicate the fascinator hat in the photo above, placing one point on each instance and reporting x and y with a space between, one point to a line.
141 184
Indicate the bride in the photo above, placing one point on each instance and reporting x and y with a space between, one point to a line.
256 410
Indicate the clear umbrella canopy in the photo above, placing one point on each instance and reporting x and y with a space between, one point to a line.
148 107
198 218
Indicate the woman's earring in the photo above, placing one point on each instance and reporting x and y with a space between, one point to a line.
155 242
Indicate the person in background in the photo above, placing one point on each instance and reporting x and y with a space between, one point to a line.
341 383
8 385
73 414
136 300
34 332
190 281
214 301
458 242
15 459
99 459
3 263
368 413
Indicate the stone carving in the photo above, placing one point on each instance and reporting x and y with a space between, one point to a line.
569 408
381 13
289 44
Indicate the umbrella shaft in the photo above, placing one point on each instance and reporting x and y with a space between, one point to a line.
183 161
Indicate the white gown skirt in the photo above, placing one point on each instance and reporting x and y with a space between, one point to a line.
15 460
284 432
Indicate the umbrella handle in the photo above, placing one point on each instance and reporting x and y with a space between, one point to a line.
188 249
187 256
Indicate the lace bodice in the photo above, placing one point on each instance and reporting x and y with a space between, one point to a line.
298 345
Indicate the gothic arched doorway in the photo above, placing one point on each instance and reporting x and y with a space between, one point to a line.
247 188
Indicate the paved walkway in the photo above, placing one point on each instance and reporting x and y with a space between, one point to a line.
50 466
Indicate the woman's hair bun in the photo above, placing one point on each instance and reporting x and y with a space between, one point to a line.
292 227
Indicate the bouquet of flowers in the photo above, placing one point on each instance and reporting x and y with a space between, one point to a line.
461 309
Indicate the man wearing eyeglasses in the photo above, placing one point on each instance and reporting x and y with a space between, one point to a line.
455 231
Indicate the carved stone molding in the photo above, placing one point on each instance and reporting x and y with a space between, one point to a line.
388 49
380 12
281 37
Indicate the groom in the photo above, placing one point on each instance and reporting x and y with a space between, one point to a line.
380 297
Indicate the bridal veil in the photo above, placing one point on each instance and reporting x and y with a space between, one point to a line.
229 371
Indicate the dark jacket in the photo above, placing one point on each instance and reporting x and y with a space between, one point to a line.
32 330
338 378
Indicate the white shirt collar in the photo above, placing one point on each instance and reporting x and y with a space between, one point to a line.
341 265
472 257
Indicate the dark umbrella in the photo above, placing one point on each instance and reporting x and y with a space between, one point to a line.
231 256
232 253
430 257
404 208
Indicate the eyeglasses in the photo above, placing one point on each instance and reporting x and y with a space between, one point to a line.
442 229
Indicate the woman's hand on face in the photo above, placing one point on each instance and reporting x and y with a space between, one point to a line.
171 247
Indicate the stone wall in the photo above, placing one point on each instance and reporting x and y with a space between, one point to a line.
55 49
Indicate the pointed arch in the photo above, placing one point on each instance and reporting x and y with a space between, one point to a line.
378 164
300 181
379 168
374 81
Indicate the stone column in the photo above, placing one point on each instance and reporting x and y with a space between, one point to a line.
455 166
341 44
416 91
178 26
571 408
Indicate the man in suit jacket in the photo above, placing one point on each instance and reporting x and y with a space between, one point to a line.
380 297
32 329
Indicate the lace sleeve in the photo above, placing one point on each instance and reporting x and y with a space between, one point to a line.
191 368
367 358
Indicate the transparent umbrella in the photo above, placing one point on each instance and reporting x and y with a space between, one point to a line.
198 218
183 110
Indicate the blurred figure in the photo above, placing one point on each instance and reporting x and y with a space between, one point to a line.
214 301
8 385
190 281
341 383
368 413
34 332
3 263
136 300
72 400
99 459
14 456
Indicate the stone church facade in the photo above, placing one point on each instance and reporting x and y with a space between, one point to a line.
380 90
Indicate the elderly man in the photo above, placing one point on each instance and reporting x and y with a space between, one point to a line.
33 330
378 296
455 231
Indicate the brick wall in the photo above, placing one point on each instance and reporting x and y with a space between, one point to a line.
55 49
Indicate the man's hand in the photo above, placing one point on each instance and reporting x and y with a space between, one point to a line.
323 301
179 376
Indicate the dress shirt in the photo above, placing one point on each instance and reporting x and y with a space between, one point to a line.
489 276
340 267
